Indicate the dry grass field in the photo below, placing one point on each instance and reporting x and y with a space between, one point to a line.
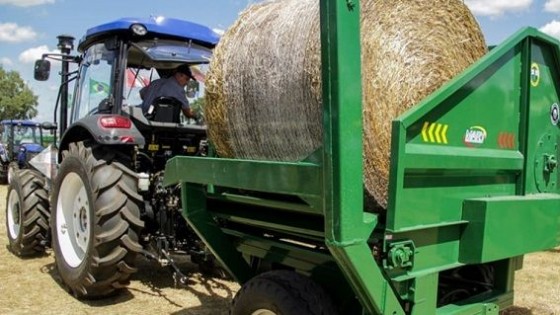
32 286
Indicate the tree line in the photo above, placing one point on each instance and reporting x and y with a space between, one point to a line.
17 101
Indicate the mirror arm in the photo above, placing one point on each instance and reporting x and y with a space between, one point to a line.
62 57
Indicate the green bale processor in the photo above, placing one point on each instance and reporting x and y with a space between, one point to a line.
473 187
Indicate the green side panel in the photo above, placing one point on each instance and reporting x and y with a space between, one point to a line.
296 179
503 227
488 132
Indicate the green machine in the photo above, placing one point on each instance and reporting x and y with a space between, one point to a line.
473 187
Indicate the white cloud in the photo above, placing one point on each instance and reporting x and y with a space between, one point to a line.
13 33
219 31
552 6
26 3
6 61
497 7
552 29
32 54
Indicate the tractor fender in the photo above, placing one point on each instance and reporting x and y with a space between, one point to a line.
90 128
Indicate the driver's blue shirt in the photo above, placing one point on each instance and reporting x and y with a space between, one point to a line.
168 87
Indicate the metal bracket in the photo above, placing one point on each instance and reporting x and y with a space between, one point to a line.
401 255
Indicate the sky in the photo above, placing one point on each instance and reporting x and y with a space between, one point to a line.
28 28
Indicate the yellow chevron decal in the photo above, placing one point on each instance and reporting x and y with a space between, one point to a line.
434 133
425 131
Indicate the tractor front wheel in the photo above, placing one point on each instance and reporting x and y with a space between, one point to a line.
95 225
27 214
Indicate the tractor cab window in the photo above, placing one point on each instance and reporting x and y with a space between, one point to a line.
135 80
95 84
149 60
5 134
25 134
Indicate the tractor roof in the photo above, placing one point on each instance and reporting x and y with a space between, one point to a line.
157 27
16 122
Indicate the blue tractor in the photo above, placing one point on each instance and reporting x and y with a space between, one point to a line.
20 141
105 203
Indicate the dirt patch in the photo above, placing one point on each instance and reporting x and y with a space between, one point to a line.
32 286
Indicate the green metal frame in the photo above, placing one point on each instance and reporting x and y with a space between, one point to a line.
453 200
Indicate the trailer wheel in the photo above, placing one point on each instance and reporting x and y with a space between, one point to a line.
27 214
95 225
282 292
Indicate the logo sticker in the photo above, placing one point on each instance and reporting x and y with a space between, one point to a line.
535 74
475 136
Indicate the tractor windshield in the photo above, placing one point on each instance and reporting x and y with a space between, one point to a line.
26 134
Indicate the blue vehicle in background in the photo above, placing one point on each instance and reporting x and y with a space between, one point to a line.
20 141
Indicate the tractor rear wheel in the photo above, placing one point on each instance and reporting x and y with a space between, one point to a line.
282 292
27 214
95 221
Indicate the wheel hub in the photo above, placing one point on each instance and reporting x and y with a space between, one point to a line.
263 311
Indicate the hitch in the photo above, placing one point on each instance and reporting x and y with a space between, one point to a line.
165 260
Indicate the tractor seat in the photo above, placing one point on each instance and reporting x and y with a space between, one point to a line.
164 109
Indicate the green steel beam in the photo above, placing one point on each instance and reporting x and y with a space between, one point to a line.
347 227
298 179
262 202
425 157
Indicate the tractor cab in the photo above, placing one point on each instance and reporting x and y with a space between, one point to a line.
117 61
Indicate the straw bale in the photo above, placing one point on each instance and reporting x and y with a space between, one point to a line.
264 85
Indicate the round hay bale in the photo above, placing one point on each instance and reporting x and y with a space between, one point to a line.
264 84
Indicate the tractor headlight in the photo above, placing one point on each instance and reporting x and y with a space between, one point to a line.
139 29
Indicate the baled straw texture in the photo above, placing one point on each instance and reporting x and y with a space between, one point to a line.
260 104
264 87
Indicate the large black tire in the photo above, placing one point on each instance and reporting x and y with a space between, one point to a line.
95 221
282 292
27 214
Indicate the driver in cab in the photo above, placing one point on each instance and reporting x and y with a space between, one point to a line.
173 87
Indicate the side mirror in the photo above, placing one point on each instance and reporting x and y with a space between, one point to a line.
47 125
42 70
192 88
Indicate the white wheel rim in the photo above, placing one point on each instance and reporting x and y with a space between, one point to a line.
14 214
73 220
263 311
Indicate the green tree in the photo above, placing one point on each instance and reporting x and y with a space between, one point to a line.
17 101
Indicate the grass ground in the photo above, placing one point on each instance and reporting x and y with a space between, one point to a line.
32 286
